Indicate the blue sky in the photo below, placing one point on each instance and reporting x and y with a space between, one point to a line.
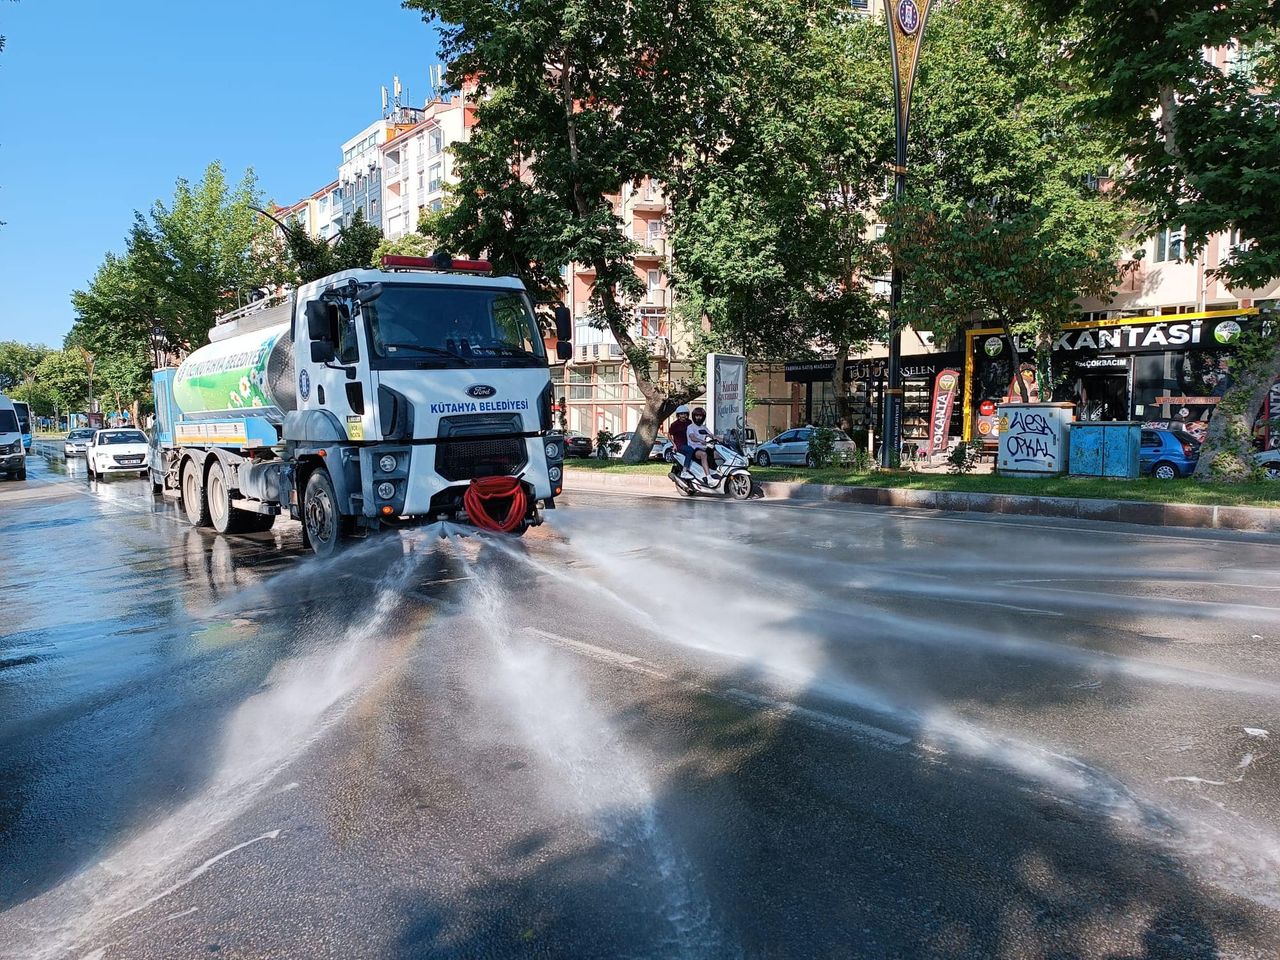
104 105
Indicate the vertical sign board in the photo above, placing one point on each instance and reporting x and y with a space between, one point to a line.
944 395
726 393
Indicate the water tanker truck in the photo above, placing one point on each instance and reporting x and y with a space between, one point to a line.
367 399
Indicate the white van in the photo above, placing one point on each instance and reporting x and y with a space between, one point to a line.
13 456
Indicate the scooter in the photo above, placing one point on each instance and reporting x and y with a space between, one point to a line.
731 478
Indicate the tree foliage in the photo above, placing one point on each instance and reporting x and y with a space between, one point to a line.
311 258
203 253
1202 148
1202 143
771 234
773 247
64 376
1004 222
18 362
575 100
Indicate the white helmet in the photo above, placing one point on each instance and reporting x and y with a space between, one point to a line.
683 408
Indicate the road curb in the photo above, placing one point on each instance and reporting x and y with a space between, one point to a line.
1249 519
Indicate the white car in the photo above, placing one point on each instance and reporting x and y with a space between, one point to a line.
77 442
123 450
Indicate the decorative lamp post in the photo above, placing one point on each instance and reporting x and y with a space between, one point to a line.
907 20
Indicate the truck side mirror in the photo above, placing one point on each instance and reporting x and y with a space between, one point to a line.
564 322
564 350
369 292
322 321
322 351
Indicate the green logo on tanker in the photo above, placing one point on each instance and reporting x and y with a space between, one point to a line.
1226 331
225 376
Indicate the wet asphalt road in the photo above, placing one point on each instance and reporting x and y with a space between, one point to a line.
652 728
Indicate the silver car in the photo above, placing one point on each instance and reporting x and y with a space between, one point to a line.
792 447
661 449
76 443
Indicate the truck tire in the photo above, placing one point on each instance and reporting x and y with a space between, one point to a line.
194 500
324 526
222 515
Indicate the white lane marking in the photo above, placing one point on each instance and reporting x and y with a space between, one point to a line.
1256 732
194 874
818 718
1212 783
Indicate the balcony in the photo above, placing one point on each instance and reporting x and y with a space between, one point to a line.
652 247
392 169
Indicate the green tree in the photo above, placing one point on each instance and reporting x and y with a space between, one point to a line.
772 238
64 375
18 363
311 258
575 99
204 253
1004 221
1202 149
115 316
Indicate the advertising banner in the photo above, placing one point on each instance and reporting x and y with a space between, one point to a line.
726 393
907 20
945 386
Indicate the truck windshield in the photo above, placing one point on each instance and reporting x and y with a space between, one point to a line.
419 325
8 422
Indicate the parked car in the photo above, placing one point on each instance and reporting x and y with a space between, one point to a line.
76 443
577 444
792 447
123 450
659 450
1168 454
1269 461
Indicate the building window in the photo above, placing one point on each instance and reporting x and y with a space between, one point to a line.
433 183
1168 246
655 229
437 205
435 142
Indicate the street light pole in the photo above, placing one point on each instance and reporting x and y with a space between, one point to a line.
906 20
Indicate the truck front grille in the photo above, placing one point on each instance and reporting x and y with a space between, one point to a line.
466 459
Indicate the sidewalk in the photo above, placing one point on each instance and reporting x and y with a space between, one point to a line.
1202 516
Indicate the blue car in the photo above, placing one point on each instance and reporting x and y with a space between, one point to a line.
1168 454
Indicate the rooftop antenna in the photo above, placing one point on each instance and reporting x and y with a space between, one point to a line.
395 84
384 101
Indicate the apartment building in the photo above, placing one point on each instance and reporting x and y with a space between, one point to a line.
417 164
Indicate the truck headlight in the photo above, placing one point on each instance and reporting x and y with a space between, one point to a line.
386 490
387 463
554 474
553 451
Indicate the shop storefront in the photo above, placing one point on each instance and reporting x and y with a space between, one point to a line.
1166 371
865 385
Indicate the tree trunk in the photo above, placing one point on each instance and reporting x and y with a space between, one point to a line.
1227 452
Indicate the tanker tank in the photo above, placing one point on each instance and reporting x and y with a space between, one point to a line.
246 373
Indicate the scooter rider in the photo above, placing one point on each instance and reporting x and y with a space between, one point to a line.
679 434
697 436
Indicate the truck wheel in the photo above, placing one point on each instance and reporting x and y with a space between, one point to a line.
324 525
224 517
193 496
22 474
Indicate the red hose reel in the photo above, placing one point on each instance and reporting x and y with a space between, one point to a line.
484 499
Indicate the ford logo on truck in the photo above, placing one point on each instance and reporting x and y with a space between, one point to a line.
481 390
